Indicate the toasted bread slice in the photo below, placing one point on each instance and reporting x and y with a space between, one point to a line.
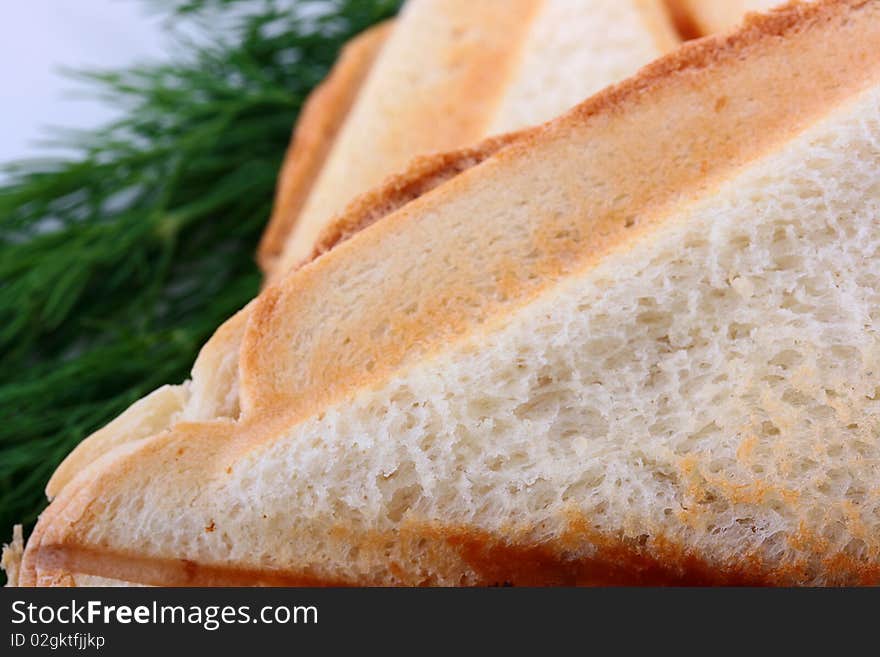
454 71
638 346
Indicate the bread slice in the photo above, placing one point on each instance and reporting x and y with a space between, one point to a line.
701 17
638 346
453 71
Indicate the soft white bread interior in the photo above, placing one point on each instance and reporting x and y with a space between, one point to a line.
639 346
453 71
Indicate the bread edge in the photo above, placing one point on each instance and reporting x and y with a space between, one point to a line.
322 115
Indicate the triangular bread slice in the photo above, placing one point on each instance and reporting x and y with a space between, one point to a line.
212 392
638 346
452 72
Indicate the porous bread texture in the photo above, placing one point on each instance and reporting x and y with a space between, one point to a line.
718 384
714 385
456 71
501 232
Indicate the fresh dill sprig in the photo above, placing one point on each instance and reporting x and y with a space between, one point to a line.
119 261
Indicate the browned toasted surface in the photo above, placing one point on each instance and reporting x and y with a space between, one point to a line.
323 113
423 174
463 555
433 88
491 561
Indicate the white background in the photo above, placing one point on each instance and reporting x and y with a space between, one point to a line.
39 36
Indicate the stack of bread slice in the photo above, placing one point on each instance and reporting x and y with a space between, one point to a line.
389 131
447 74
636 344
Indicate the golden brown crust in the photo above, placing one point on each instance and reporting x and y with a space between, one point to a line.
489 560
322 115
464 555
420 177
703 97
